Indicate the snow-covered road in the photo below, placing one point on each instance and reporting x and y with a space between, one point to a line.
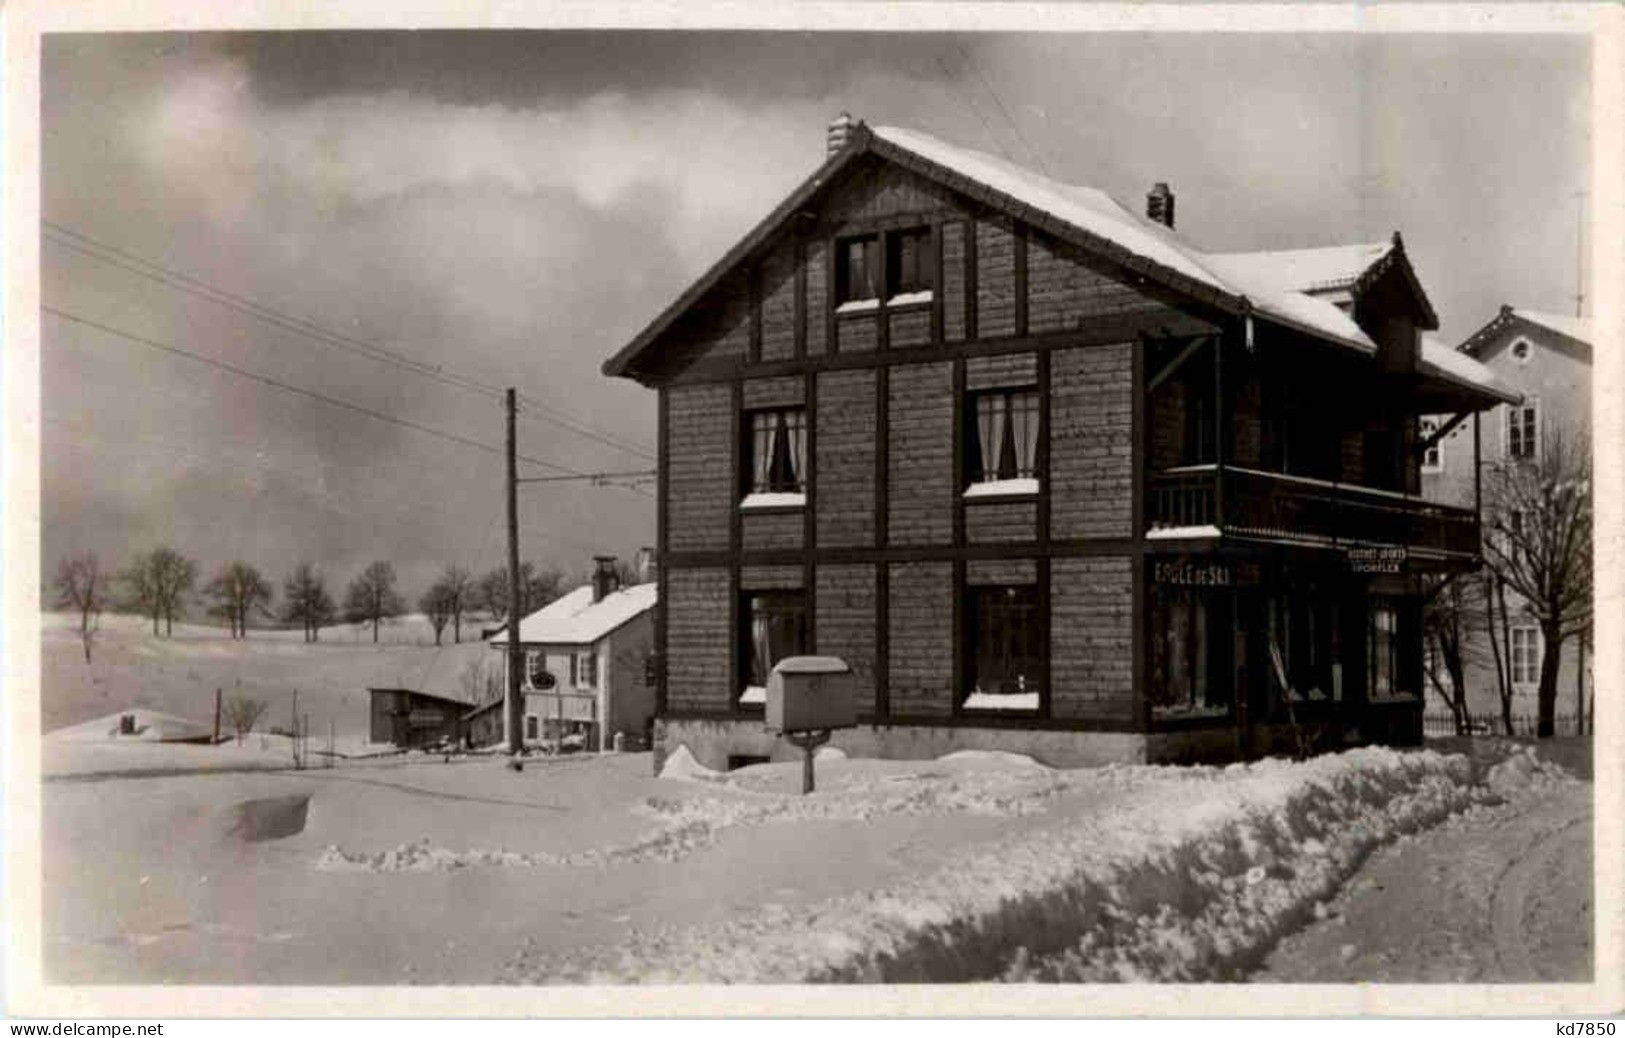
1497 894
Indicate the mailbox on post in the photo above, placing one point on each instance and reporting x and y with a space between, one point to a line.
808 697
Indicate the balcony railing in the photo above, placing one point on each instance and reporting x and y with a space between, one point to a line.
1277 506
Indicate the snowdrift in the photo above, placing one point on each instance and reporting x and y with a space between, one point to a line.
1180 874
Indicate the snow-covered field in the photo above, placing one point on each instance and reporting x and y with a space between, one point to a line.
179 675
974 867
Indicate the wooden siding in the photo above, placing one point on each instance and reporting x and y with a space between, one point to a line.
1063 292
764 531
951 281
921 639
1092 441
876 191
843 470
1167 415
845 623
856 333
1002 371
767 578
1001 522
909 327
785 391
920 460
699 458
995 279
698 640
777 290
1092 638
817 308
1000 571
1246 423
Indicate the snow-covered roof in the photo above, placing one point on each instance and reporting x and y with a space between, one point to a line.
1574 327
1097 213
1452 365
1321 269
576 619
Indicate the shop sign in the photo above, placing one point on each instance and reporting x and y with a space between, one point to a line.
1378 560
1184 573
425 718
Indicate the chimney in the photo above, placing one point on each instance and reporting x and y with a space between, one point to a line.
840 132
604 580
1159 205
647 565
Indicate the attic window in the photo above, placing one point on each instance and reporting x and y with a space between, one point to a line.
1520 351
910 271
857 269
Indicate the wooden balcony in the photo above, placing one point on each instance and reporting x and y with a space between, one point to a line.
1295 509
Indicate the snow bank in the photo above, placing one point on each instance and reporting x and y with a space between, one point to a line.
1178 875
682 765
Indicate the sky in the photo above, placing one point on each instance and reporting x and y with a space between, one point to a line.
510 208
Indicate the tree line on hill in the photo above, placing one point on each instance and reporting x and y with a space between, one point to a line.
160 584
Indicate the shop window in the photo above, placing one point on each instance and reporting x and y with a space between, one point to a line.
1526 651
1004 646
1303 630
1382 651
1001 443
775 627
775 457
1187 665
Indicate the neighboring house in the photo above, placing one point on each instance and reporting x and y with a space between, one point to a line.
1050 479
585 663
406 717
1547 358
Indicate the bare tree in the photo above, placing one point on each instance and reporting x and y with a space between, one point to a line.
537 588
305 599
372 597
436 606
82 585
1493 591
481 681
459 589
158 582
243 713
239 589
1539 547
1447 621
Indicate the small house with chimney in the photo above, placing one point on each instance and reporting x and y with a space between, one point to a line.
1049 478
586 664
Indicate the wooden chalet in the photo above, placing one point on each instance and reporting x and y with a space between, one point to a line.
1049 478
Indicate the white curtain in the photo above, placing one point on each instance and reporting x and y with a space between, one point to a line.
1024 429
795 423
761 649
990 410
762 426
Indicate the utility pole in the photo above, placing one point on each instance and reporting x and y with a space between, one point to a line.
515 703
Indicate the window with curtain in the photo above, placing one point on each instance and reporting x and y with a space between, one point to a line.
1187 672
857 269
776 451
1433 457
1382 647
910 262
587 670
775 628
1005 635
536 672
1002 443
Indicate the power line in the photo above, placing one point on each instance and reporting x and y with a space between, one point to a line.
142 267
312 394
1006 112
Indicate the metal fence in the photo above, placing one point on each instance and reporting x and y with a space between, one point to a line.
1523 725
